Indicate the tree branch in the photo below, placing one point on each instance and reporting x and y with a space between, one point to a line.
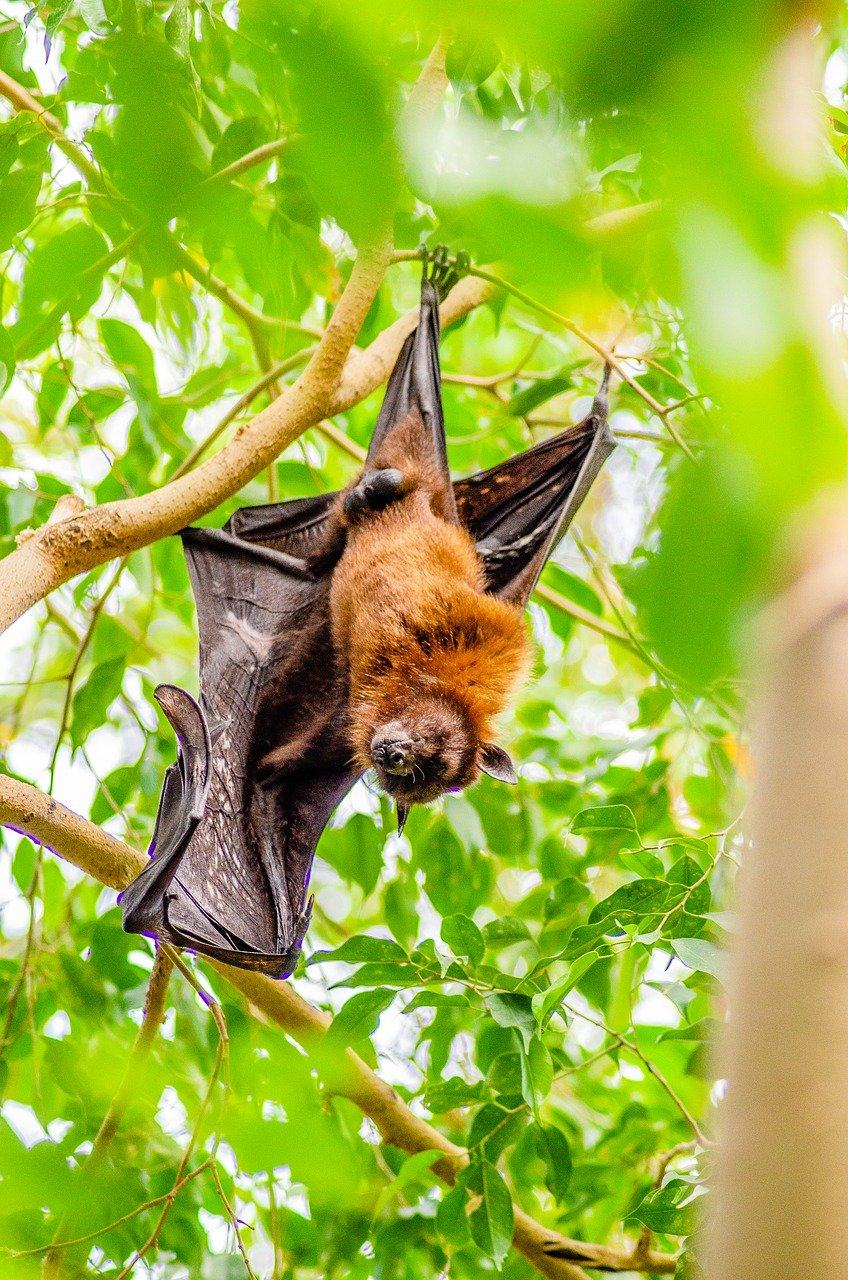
60 551
115 864
73 546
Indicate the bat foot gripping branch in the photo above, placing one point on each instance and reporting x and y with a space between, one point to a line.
234 840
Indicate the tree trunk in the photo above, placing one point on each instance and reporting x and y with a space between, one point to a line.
781 1207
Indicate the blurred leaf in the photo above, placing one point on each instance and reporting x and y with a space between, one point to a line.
552 1146
18 194
491 1221
93 699
699 954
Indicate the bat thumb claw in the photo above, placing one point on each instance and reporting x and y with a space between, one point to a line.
402 815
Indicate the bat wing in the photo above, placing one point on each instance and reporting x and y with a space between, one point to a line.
234 841
297 527
517 512
414 391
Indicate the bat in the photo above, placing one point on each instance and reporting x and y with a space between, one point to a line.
265 755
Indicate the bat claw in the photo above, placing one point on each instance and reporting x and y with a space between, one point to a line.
442 270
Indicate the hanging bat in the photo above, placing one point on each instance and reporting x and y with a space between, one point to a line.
377 627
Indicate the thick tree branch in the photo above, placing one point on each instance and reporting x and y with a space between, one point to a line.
114 863
63 550
60 551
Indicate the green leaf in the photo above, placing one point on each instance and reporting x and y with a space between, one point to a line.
94 16
18 194
511 1010
358 1019
447 1095
407 1175
573 588
463 937
637 902
545 1002
668 1210
538 392
504 932
65 269
364 947
491 1221
536 1075
132 357
355 851
553 1147
701 955
493 1129
23 865
452 1218
344 135
94 698
606 817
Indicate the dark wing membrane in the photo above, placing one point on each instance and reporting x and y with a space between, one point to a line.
263 758
415 387
232 883
297 527
518 511
181 808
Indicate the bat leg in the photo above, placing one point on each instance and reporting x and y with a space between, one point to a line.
375 490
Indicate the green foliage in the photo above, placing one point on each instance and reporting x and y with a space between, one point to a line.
533 968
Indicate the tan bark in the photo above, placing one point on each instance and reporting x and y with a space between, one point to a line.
332 381
781 1205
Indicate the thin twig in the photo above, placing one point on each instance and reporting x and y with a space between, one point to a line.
632 1047
216 1178
169 1196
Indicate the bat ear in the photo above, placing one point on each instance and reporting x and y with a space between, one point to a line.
496 762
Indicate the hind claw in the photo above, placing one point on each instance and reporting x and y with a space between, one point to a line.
442 270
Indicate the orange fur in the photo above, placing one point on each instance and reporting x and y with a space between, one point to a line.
410 613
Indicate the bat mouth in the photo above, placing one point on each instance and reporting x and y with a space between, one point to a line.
399 771
408 788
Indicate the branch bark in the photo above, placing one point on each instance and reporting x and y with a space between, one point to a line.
114 863
334 380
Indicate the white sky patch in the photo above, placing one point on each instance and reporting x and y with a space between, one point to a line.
14 918
171 1115
654 1009
835 78
57 1026
466 157
24 1121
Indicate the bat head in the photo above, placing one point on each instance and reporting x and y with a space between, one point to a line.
432 746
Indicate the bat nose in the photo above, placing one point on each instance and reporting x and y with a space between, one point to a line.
391 755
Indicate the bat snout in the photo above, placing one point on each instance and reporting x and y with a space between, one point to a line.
391 750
